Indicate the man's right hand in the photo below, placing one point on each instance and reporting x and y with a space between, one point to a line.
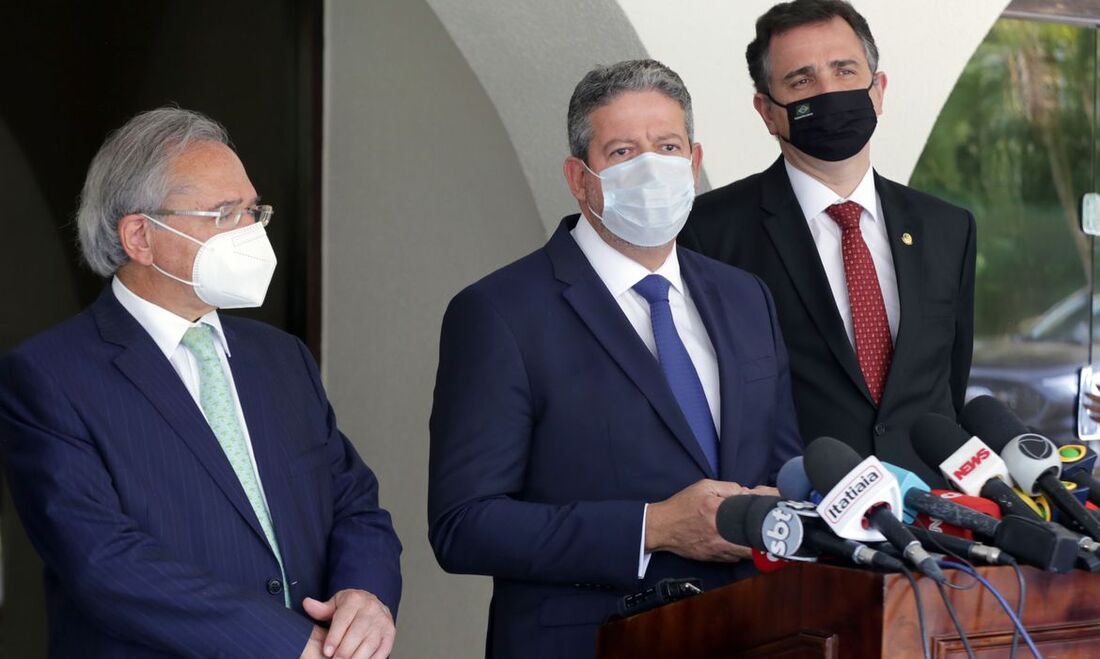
684 524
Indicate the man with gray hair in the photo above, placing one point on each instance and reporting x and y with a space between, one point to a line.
598 399
180 471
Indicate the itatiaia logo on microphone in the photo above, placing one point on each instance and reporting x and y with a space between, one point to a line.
846 494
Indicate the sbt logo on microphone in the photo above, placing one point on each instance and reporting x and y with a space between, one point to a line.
847 493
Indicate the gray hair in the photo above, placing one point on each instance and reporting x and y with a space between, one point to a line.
602 84
129 174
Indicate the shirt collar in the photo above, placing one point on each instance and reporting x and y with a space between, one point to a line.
618 271
814 196
166 328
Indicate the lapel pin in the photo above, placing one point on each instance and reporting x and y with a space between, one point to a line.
907 238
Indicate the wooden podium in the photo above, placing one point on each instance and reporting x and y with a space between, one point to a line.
812 610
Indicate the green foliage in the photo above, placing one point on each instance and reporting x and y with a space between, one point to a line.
1014 144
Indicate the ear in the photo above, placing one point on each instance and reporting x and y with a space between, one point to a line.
878 91
696 161
768 111
134 232
574 171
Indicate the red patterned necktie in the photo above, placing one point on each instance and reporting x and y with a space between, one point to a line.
874 348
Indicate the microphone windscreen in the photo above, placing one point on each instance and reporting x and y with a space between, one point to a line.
828 461
730 519
935 438
792 481
754 519
992 422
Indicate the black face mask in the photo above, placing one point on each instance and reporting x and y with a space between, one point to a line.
832 126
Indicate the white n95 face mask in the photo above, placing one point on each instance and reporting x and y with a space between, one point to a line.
646 200
233 269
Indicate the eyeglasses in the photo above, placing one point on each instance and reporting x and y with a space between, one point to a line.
226 217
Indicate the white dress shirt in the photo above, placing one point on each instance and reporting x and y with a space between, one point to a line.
619 274
167 330
814 197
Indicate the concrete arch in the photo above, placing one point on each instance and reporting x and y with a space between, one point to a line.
528 55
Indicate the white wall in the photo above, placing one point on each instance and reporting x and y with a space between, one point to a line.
445 133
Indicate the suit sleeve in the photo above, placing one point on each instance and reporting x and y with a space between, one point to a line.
119 576
363 549
962 351
787 441
481 426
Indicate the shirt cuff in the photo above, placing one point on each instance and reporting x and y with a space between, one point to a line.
643 555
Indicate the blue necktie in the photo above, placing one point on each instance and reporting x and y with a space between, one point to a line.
679 371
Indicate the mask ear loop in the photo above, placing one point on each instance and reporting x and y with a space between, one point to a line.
590 209
178 233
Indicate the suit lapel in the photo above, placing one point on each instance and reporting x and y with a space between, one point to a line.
900 219
786 225
704 294
590 299
142 362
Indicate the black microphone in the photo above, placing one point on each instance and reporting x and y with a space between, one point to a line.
974 551
970 465
1031 459
862 491
791 530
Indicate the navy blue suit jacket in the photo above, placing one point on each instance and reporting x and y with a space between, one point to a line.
150 545
553 425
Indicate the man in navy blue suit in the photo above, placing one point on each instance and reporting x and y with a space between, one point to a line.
179 471
597 399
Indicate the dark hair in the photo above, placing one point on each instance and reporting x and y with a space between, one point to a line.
602 84
789 15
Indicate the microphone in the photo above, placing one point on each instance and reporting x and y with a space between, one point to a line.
1078 462
971 466
1046 546
791 530
977 504
1031 459
862 492
792 481
907 480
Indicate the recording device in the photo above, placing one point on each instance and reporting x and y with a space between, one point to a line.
659 594
968 463
791 530
1032 459
858 492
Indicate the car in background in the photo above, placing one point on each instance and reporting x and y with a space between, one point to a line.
1035 372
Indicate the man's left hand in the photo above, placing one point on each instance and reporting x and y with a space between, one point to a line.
360 625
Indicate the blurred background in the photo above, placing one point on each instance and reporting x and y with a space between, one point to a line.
412 146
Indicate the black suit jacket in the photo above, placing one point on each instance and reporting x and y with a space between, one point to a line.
757 224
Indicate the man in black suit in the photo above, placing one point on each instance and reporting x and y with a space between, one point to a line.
873 281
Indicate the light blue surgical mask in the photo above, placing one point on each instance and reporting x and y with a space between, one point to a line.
646 200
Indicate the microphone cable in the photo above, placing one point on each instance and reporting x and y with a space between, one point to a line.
1019 609
1001 600
920 611
955 619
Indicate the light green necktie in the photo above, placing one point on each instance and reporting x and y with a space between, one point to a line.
217 404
